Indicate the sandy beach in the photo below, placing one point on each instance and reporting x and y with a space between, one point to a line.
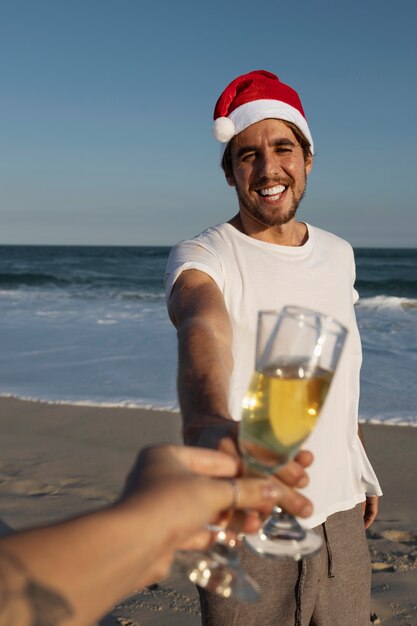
60 460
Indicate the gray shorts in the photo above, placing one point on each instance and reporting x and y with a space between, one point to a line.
331 588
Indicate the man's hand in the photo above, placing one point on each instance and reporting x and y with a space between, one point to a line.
191 482
210 431
293 473
370 510
222 434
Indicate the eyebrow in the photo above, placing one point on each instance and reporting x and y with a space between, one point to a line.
277 143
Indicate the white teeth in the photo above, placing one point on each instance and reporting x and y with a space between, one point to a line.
272 191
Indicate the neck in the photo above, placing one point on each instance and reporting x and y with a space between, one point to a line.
291 234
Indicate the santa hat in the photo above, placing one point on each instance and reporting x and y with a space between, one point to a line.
253 97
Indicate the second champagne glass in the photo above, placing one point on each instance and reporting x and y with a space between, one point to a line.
296 357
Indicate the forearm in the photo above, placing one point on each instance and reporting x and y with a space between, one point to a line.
205 366
198 311
74 572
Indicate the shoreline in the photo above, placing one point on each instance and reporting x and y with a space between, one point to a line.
58 460
167 409
94 404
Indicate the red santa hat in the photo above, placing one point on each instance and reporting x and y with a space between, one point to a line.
253 97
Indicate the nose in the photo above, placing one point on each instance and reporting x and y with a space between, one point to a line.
267 165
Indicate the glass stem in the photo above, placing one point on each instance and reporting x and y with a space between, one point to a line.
281 525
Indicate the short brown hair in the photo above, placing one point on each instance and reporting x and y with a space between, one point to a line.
304 143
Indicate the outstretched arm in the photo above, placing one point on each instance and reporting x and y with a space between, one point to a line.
198 311
71 573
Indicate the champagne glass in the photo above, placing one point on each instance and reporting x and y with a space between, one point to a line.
297 352
218 569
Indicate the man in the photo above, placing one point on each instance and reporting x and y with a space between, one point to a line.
74 571
264 258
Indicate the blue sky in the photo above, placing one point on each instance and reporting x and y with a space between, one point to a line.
106 114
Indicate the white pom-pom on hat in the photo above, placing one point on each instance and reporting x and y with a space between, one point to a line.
224 129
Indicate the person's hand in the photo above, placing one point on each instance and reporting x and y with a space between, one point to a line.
292 474
370 510
210 431
222 434
188 488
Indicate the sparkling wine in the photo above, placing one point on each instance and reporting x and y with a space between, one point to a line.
280 409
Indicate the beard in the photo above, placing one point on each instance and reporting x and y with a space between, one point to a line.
272 217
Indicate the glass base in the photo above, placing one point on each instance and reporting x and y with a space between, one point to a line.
285 548
214 573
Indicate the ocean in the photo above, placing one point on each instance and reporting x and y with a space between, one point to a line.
88 325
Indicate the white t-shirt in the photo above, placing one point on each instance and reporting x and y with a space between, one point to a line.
252 276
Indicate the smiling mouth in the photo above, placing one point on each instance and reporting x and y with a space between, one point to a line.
271 192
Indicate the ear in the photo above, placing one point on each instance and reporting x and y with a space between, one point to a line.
230 180
309 164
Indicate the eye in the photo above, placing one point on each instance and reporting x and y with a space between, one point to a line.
283 150
248 157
